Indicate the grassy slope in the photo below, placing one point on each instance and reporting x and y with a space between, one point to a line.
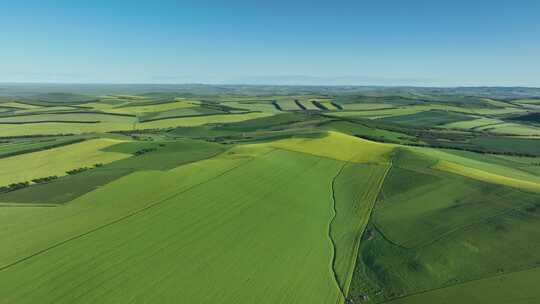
488 177
355 190
29 230
362 130
269 219
432 229
262 234
477 163
519 287
337 146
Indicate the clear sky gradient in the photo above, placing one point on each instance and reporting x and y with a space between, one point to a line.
414 42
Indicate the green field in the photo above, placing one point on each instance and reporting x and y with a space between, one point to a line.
513 129
288 105
57 161
79 128
229 214
67 117
25 145
427 118
473 124
485 291
215 217
309 105
237 194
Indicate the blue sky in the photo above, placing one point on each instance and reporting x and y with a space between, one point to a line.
384 42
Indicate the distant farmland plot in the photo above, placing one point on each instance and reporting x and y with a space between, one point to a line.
77 128
328 104
377 113
68 117
309 105
530 117
192 111
50 128
200 120
512 128
527 101
367 106
16 147
475 123
135 109
513 144
19 105
427 118
288 105
497 111
45 110
260 106
56 161
61 97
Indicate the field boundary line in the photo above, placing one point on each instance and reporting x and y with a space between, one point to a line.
26 205
195 115
127 216
330 158
341 296
461 283
356 248
465 227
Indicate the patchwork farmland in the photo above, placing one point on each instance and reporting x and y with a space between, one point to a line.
204 194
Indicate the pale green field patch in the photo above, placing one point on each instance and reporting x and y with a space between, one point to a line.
468 124
78 128
487 176
338 146
56 161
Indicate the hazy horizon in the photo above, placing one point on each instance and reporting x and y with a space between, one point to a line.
45 83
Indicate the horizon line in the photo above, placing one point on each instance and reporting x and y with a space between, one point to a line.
266 85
